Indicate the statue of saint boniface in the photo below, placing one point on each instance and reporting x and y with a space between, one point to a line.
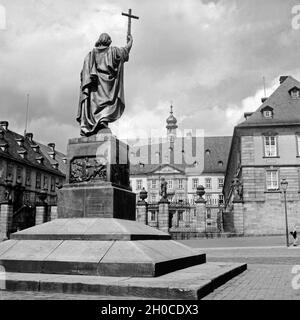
102 88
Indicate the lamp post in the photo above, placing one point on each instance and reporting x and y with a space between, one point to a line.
284 185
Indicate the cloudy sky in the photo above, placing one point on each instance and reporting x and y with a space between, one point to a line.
206 57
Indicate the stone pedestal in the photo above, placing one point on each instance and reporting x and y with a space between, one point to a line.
97 180
92 246
142 212
163 216
6 214
40 214
200 216
238 216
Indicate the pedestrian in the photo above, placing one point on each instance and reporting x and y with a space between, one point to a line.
294 235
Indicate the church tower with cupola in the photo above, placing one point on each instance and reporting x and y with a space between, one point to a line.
171 126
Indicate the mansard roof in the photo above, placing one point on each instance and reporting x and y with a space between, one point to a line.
14 151
286 109
215 155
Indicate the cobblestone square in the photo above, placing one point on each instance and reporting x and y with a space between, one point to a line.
268 277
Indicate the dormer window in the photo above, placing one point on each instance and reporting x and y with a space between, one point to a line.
20 142
4 147
142 165
207 152
267 112
295 93
36 148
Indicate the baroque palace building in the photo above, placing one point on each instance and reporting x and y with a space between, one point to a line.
185 161
30 172
265 149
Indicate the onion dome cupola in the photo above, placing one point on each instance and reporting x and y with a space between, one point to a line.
171 124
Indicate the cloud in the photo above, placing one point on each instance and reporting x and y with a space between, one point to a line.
207 57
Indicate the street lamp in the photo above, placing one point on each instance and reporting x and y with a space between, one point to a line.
284 185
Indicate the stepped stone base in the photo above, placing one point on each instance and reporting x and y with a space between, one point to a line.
102 247
188 284
108 256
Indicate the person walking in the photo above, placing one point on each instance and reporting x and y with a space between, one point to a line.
295 236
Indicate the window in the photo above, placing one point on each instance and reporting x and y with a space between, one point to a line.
195 183
272 180
52 184
153 198
180 215
46 183
298 145
19 175
208 213
209 199
221 183
152 216
221 199
10 172
28 178
270 146
180 184
208 183
170 184
153 184
295 93
268 114
139 184
38 180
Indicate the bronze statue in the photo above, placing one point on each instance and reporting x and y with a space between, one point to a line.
163 189
237 189
102 88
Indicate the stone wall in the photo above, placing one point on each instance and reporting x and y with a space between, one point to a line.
264 210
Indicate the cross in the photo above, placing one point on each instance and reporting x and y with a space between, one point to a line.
130 16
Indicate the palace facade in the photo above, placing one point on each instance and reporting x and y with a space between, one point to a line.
185 162
265 150
30 172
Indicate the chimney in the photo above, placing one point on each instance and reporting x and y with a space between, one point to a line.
29 136
52 146
263 100
52 153
282 79
247 115
4 125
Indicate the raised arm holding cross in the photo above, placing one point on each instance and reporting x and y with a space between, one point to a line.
130 16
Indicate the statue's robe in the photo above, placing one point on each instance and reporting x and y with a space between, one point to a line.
102 89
